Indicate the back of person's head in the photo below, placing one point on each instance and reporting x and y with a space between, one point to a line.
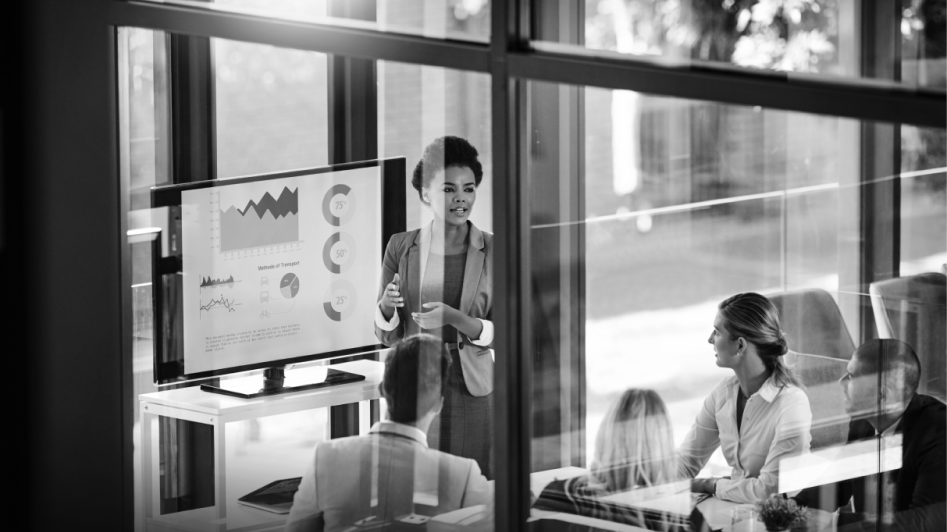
415 377
895 360
443 153
755 318
635 443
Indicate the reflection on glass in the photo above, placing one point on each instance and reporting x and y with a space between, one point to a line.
390 476
467 20
924 43
417 104
647 212
771 34
757 417
438 279
923 200
889 472
141 91
290 9
271 108
632 478
813 36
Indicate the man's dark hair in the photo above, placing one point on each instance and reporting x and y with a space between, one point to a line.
891 358
415 377
444 153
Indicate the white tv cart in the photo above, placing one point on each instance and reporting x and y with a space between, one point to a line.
192 404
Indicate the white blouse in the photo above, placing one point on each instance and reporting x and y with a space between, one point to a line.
776 422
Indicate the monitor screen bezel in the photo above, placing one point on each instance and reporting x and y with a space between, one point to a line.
393 177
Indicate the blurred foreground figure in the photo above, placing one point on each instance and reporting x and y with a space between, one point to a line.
391 472
880 388
634 452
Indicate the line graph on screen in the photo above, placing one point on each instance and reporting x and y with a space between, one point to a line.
264 223
219 305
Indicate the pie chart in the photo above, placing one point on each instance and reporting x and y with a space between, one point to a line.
338 254
338 205
339 300
289 285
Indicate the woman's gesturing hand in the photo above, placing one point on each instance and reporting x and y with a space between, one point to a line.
439 315
392 296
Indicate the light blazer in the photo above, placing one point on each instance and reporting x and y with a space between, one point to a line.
407 254
386 474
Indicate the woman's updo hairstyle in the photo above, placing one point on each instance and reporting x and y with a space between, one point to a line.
755 319
444 153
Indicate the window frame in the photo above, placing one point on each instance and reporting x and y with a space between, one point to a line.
512 59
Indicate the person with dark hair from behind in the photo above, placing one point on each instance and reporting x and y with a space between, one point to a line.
880 393
634 449
391 472
757 417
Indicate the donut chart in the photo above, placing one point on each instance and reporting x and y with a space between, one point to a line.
289 285
339 252
340 300
338 205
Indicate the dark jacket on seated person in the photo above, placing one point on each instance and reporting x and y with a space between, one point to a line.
915 494
578 496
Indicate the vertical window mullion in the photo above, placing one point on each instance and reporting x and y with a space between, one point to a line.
880 158
193 119
556 185
186 152
512 426
880 212
353 136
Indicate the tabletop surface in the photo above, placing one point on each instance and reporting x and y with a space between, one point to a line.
716 512
193 398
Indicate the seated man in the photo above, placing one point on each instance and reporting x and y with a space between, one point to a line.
880 391
391 472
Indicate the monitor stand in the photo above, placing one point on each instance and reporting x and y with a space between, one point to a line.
273 384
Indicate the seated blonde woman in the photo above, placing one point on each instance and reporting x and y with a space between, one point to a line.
634 449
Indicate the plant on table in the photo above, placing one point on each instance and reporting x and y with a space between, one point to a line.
778 513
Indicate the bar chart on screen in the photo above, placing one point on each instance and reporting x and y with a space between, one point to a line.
212 284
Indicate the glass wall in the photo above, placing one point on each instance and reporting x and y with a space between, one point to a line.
418 104
196 452
923 200
721 302
270 108
648 216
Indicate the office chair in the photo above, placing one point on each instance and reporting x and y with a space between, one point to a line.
914 310
820 375
813 323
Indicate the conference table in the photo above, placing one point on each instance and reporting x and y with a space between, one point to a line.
674 499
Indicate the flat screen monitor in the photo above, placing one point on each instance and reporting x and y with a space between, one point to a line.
270 270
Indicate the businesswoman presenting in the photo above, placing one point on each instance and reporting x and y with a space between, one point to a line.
758 416
438 280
